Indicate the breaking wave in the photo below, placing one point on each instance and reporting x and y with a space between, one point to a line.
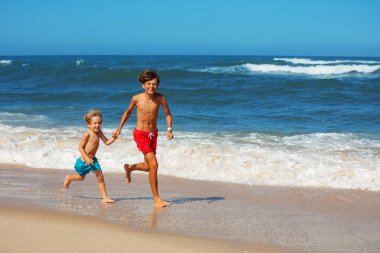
322 62
311 160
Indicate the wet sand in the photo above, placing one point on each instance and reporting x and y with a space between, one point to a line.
249 218
25 230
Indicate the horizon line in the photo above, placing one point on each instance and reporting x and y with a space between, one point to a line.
195 55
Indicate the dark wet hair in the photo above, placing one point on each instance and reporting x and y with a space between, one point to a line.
148 75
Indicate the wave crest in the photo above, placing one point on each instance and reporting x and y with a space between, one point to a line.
79 62
5 62
314 70
311 70
306 61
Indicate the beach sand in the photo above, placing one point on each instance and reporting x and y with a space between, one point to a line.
24 230
39 215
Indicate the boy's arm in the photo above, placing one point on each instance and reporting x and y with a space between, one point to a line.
105 140
125 116
169 118
82 145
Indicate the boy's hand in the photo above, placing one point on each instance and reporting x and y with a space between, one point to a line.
169 135
89 161
116 133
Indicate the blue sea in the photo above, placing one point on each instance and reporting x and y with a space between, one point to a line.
256 120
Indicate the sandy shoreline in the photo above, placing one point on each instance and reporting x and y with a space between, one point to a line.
26 230
296 219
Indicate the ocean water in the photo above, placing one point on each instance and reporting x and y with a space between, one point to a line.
256 120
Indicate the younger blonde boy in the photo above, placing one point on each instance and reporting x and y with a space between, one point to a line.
88 146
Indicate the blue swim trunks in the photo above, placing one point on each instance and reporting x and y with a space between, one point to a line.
84 169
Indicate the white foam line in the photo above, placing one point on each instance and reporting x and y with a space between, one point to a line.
311 70
321 62
5 62
322 160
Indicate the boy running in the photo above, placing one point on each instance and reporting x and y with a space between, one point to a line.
88 146
145 134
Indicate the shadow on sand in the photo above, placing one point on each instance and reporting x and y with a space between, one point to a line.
175 201
179 201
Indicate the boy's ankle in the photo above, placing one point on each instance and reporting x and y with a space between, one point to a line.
107 200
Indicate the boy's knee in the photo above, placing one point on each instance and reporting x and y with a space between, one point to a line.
100 180
152 162
99 176
81 178
154 165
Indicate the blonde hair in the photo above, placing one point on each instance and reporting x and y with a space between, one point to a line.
92 113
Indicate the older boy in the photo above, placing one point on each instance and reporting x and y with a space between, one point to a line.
145 134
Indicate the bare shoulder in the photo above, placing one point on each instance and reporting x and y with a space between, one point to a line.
137 97
86 134
159 97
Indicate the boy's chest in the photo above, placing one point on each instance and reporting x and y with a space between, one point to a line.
93 140
148 106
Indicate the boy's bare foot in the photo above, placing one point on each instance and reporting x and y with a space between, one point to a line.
127 173
108 200
66 184
161 203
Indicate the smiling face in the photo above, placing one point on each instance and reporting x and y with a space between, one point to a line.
151 86
95 124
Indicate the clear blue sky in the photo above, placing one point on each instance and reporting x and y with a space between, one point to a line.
256 27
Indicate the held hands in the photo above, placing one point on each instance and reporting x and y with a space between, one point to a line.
116 133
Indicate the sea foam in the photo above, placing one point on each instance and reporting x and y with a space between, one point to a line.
313 160
79 62
5 62
306 61
312 70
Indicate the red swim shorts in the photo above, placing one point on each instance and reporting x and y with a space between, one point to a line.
146 141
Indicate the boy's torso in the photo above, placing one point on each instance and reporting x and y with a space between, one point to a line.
92 144
147 112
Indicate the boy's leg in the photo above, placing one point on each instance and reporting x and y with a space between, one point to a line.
102 187
153 168
129 168
73 177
